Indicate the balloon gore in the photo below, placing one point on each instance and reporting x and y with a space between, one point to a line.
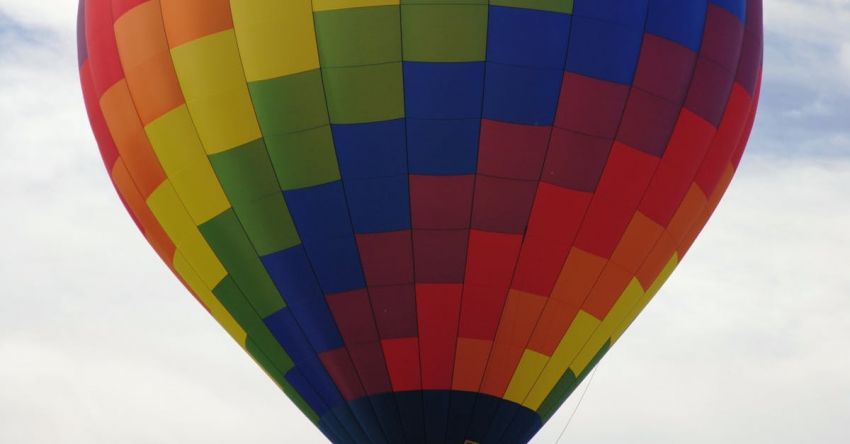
427 221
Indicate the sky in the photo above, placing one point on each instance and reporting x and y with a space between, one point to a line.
746 343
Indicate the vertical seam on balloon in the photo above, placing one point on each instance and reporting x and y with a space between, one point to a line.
584 216
654 244
469 223
135 110
283 196
412 244
366 396
525 229
242 291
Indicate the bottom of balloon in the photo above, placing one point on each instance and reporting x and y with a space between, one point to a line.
430 416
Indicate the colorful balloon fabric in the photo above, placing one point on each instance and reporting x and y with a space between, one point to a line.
426 220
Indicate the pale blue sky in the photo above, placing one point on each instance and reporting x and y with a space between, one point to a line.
100 344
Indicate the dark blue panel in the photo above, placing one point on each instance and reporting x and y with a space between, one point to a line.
410 410
387 411
443 147
349 422
604 50
677 20
443 90
630 13
292 274
436 409
303 387
371 149
521 95
328 431
318 378
501 421
319 212
336 263
737 7
523 427
527 37
288 333
485 409
379 205
365 415
461 407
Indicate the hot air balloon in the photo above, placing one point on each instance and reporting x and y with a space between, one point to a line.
426 220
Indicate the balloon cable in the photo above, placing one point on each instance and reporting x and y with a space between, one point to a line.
578 404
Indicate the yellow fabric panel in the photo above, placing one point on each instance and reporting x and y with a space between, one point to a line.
529 367
169 211
276 38
181 155
645 298
581 329
612 321
212 80
328 5
203 292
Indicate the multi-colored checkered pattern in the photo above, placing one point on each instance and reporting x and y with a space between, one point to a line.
426 220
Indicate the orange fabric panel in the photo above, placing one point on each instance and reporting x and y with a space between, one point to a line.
187 20
580 272
556 318
135 202
656 261
640 236
607 290
147 63
470 360
130 138
522 310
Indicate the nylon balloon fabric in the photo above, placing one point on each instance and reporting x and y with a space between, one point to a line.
425 220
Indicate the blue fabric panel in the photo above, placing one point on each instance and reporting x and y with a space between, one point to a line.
410 410
461 407
737 7
387 411
336 262
677 20
379 205
604 50
443 90
371 149
542 42
436 410
443 147
319 212
288 333
292 274
631 13
317 325
365 415
522 95
303 387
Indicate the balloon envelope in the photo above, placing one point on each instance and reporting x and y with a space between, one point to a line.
425 220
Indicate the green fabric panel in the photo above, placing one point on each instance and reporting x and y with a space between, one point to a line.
304 159
567 384
364 93
245 172
444 32
358 36
562 390
279 377
232 298
228 240
443 2
542 5
268 224
289 103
